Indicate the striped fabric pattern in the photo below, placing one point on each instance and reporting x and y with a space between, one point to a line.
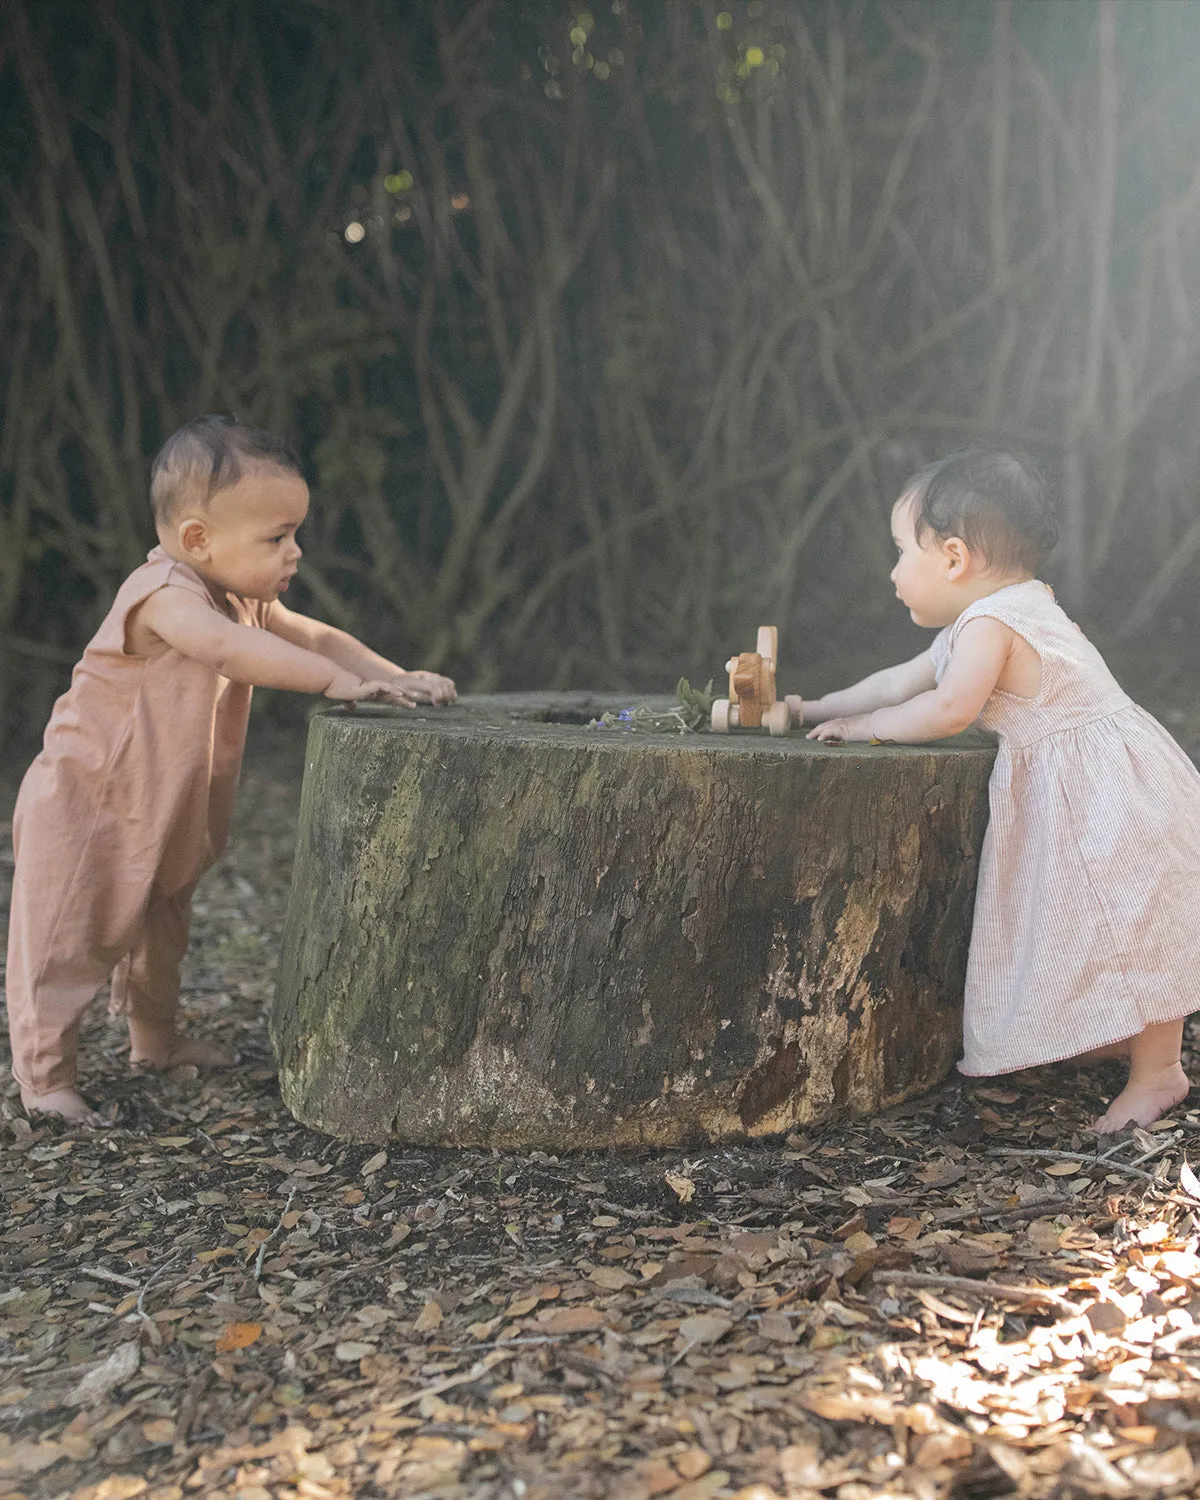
1087 910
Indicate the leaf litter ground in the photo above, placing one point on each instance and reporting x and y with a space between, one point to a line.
967 1296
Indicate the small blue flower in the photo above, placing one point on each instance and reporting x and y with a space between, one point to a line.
626 714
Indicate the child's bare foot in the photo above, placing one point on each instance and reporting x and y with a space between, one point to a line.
1143 1100
67 1104
163 1050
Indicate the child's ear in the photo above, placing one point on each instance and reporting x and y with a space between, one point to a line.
959 560
193 538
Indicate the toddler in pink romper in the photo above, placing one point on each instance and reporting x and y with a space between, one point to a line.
1085 941
131 797
128 803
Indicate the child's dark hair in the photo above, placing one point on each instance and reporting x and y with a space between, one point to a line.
996 501
208 455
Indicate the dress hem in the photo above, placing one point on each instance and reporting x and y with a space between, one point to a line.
1045 1062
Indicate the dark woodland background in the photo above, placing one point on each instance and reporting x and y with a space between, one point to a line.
607 332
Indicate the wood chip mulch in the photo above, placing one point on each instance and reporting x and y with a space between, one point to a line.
968 1296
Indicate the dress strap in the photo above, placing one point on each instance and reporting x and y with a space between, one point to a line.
1016 606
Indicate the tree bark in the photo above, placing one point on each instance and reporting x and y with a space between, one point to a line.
508 929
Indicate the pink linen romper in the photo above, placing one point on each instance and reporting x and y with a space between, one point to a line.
128 803
1086 912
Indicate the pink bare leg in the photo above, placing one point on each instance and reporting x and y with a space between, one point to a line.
1156 1078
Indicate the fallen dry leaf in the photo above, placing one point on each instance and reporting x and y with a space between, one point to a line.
429 1318
692 1462
21 1460
683 1187
779 1329
851 1406
353 1349
611 1279
939 1448
703 1488
572 1320
121 1365
237 1336
963 1259
705 1328
656 1477
123 1487
941 1173
1160 1471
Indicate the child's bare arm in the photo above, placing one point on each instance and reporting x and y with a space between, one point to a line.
347 651
243 654
893 685
980 655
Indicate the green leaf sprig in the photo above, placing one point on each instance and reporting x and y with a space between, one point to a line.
689 714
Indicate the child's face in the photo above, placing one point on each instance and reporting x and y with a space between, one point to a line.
245 542
923 571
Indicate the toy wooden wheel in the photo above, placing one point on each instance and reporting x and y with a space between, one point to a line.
777 719
720 716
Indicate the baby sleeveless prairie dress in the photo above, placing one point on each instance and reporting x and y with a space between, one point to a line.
1087 908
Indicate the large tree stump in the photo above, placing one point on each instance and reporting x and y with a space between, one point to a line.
508 929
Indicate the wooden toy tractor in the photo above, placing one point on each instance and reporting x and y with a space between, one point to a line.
751 703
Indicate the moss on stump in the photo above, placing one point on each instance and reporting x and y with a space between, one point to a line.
507 929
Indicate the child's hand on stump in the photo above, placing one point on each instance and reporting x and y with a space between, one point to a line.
837 731
426 687
347 688
404 689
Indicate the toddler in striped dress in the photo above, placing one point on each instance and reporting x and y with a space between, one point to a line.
1086 938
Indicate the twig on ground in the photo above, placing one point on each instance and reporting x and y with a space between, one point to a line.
999 1290
1031 1208
262 1249
695 1296
141 1301
1174 1195
631 1213
189 1407
1021 1211
479 1369
127 1282
541 1338
784 1211
1082 1156
1158 1150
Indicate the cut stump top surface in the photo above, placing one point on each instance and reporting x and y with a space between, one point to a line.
550 718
